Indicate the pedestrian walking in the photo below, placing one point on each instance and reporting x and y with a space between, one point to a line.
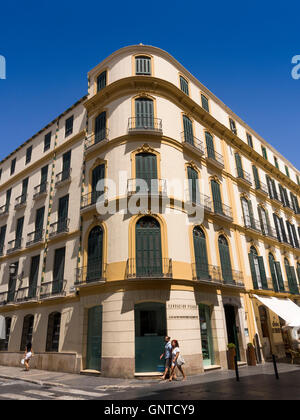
27 356
177 361
167 356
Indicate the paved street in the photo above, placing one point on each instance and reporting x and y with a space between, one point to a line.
256 383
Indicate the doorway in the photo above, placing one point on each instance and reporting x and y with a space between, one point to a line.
263 315
94 339
232 330
206 335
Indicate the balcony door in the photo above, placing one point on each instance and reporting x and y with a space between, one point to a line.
225 260
216 193
194 193
39 224
63 210
12 284
97 175
95 250
148 248
100 127
200 254
33 277
58 271
146 169
210 146
188 130
144 113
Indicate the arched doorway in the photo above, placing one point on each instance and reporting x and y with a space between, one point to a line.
231 325
148 247
94 339
264 324
95 251
150 330
200 249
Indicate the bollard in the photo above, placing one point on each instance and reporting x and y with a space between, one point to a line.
236 369
275 366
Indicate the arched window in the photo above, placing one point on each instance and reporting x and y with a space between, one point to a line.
143 65
225 260
144 113
95 254
148 248
53 332
201 260
193 185
146 170
248 213
4 343
216 193
188 130
27 331
98 174
276 274
210 145
291 276
264 220
100 127
258 272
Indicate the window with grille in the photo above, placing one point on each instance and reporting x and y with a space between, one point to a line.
143 65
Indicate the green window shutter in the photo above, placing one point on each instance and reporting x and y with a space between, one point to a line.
263 226
144 113
239 167
2 238
277 228
252 220
253 272
286 197
148 247
66 164
58 270
262 273
281 194
39 223
294 284
269 184
298 271
256 177
273 274
34 275
225 263
210 145
143 65
44 178
146 168
101 81
204 102
100 127
188 130
283 230
97 175
19 231
95 254
295 236
275 194
290 234
218 206
193 185
63 210
279 276
200 254
184 86
94 339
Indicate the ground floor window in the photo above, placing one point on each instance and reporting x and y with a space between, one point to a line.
206 335
53 332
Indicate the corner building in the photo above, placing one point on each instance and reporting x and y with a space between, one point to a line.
99 292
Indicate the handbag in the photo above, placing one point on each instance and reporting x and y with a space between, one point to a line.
23 362
180 360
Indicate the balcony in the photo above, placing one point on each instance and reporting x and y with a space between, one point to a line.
192 142
200 199
35 237
244 177
59 228
215 158
151 187
3 298
40 191
53 289
223 211
211 274
92 198
4 210
1 250
92 274
251 223
26 294
269 286
262 188
269 231
21 201
63 178
93 140
145 124
14 245
157 268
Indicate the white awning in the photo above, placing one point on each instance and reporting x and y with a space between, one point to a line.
285 308
2 328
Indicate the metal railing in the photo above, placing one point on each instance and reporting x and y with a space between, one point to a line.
158 268
144 123
268 230
214 156
93 273
35 237
200 199
63 176
40 190
14 245
2 247
52 288
24 294
4 209
222 209
96 138
192 141
152 186
62 226
251 223
3 298
21 201
213 274
92 198
243 175
262 187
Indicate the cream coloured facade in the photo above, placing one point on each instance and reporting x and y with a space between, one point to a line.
99 292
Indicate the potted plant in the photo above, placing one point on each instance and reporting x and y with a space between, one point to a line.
251 357
231 353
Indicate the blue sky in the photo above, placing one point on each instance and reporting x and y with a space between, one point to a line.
241 51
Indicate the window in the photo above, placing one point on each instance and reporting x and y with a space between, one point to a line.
210 145
28 155
249 140
95 255
248 213
53 332
216 193
47 142
291 276
264 152
200 250
256 177
272 188
27 331
257 268
287 171
100 127
293 239
2 239
146 170
69 126
4 343
188 130
276 273
148 248
204 101
24 190
98 174
276 162
8 197
13 166
144 113
66 168
295 204
284 196
44 178
12 283
19 233
239 167
184 86
143 65
280 230
264 220
33 276
101 81
63 210
232 126
193 185
298 179
225 260
39 224
58 271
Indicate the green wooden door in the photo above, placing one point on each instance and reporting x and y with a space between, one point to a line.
95 251
146 169
200 254
58 271
148 248
94 339
100 127
225 260
33 277
97 175
144 113
210 146
188 130
150 330
206 335
216 193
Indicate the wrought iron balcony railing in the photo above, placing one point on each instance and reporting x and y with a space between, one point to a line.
93 273
35 237
62 226
222 209
14 245
40 190
145 123
268 230
191 140
3 298
2 250
251 223
260 186
147 186
52 288
198 199
154 268
21 201
214 156
243 175
96 138
92 198
25 294
208 273
64 176
4 210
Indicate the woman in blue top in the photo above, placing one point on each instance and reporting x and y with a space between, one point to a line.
167 355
